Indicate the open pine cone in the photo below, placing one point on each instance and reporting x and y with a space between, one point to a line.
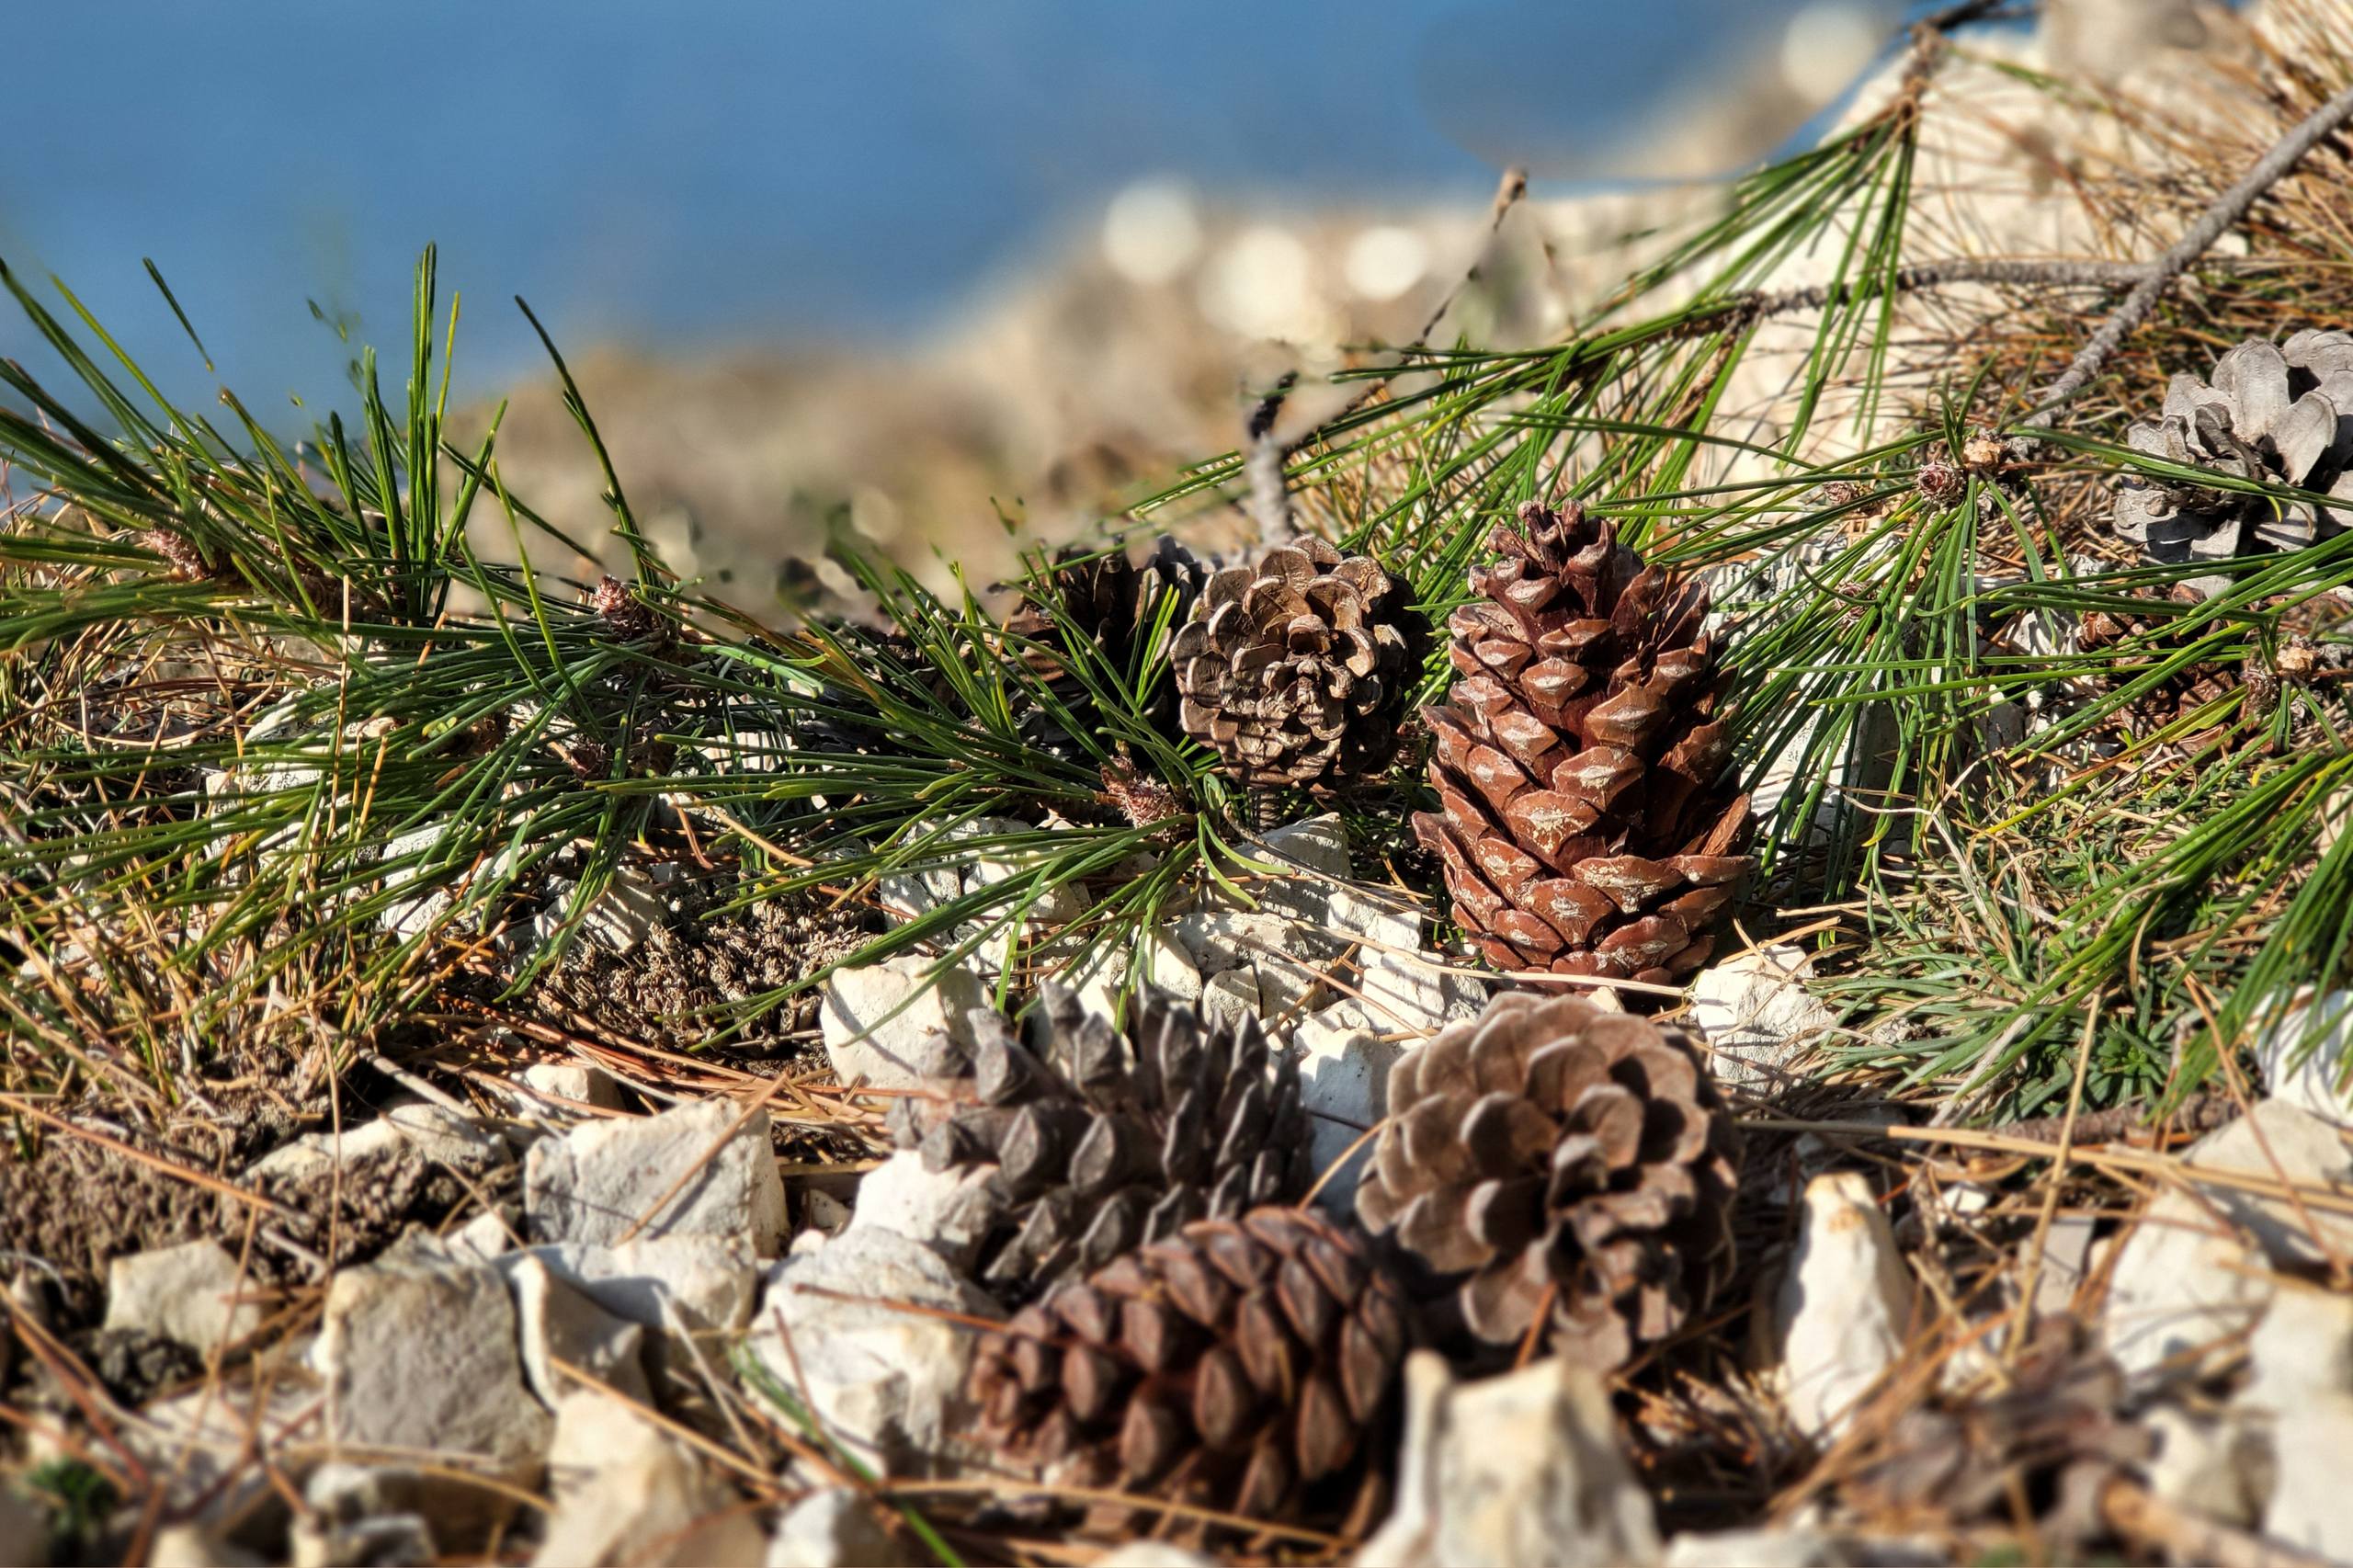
1298 669
1103 1139
2307 650
1247 1366
1563 1161
1590 826
1108 600
2272 415
2053 1438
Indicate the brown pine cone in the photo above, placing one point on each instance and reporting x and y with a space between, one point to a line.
2260 681
627 618
1590 823
1297 670
1105 1138
1107 599
1244 1366
1563 1161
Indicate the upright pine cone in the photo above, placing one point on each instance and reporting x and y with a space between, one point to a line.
1103 1139
1590 826
2270 413
1564 1161
1247 1366
1298 669
1108 601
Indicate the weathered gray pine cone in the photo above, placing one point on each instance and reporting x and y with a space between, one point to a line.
1103 1139
1569 1166
2273 415
1298 669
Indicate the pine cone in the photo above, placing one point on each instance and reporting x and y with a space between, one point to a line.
1247 1366
1110 601
1103 1139
2054 1438
1565 1159
2260 681
1298 669
1589 827
627 618
2271 415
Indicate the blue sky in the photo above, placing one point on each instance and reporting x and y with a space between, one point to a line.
713 172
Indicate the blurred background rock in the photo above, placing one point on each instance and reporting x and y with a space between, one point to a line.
950 278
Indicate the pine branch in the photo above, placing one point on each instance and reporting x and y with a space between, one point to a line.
2217 220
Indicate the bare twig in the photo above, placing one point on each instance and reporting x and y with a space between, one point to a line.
2141 1517
1263 465
2217 220
1509 192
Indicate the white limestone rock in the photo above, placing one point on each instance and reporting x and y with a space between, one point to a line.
435 1132
1845 1306
567 1090
384 1538
2214 1466
1154 1554
2307 1510
907 896
835 1528
1056 906
950 1211
709 1281
2302 1346
1344 1087
1318 844
1292 982
894 1025
1220 940
599 1181
889 1384
628 1493
200 1445
428 1361
186 1293
1231 996
559 1324
175 1546
2183 1281
1785 1547
1378 919
2306 1056
1758 1017
1167 964
1523 1467
465 1515
413 916
1408 993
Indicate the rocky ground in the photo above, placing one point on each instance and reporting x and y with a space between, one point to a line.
596 1308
